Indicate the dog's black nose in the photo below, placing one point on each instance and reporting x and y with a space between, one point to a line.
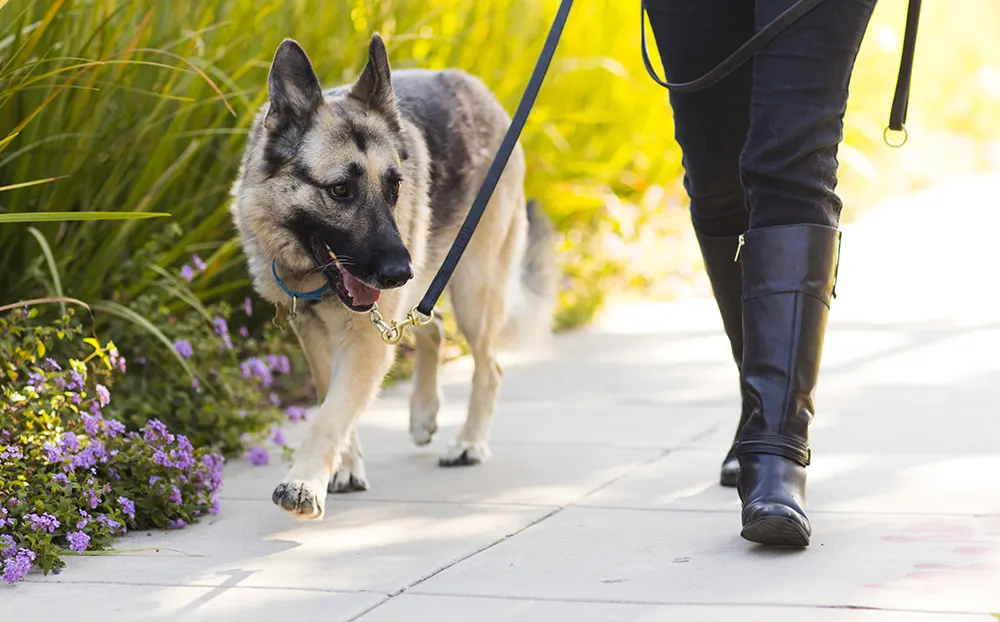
395 273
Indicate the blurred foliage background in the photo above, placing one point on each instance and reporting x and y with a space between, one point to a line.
143 105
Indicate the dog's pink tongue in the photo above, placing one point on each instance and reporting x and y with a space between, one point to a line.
361 294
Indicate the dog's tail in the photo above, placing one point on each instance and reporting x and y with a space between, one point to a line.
532 291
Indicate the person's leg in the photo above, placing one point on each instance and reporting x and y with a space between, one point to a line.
790 254
711 128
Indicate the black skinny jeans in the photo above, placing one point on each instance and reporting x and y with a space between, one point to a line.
760 147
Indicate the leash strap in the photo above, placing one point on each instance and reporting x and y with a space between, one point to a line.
742 54
901 100
756 43
426 306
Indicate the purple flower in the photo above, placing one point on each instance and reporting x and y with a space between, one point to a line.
278 363
183 347
177 523
45 522
35 380
183 456
161 458
278 437
175 496
95 408
78 541
93 497
153 479
7 546
198 263
248 306
296 413
84 520
60 383
103 395
112 525
215 509
91 423
69 442
77 383
52 453
155 431
113 427
222 329
213 465
75 398
187 273
88 458
258 456
12 452
127 506
244 332
121 364
61 478
142 360
3 517
253 367
274 398
194 383
51 365
18 565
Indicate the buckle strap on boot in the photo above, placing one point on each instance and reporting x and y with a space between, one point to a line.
777 445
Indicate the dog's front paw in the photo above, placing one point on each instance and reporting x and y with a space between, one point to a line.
349 480
300 498
464 453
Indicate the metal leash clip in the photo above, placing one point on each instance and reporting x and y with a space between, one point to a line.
393 333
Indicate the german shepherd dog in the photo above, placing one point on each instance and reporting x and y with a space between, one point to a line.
363 188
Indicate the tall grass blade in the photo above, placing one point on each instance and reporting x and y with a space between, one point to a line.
50 260
6 219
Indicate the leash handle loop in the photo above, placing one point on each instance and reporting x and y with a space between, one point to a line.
901 99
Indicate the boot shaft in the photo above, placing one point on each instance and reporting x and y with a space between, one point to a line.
789 275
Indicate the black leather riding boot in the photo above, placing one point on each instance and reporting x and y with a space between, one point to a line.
719 255
788 281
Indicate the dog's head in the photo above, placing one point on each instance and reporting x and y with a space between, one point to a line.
327 175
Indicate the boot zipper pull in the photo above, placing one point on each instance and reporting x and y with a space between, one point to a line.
738 248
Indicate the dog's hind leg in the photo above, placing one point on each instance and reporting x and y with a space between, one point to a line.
425 400
479 292
350 477
359 361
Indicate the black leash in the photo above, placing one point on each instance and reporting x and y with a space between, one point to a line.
756 43
426 306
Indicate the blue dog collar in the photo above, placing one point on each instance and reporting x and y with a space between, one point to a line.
315 294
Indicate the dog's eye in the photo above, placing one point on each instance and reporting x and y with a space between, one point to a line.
339 191
396 185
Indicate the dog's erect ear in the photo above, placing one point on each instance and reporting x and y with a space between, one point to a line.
292 87
374 87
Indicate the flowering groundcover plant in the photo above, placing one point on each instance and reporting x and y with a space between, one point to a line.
71 479
92 446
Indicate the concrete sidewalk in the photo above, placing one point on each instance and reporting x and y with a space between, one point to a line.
601 501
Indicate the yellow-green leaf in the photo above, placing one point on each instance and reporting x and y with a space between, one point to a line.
68 216
41 349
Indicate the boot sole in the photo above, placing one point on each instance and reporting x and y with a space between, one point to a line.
776 531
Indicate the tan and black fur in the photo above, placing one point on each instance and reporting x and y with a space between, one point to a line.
379 175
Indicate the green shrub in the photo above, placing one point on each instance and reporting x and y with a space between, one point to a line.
207 371
71 478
